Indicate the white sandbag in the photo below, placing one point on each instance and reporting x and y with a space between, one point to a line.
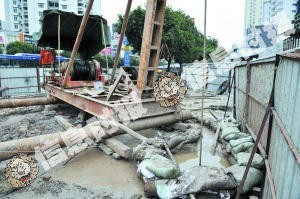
253 179
235 136
194 180
243 158
162 167
234 143
144 171
229 130
244 147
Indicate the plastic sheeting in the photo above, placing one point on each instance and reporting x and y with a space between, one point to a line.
92 41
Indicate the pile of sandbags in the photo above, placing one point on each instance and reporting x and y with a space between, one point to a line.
240 145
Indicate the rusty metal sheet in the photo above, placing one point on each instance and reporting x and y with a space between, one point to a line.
98 107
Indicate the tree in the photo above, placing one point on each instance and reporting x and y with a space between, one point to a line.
19 47
180 34
1 50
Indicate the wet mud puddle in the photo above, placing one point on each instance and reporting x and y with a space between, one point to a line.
97 171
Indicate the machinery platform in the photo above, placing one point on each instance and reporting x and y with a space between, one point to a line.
121 108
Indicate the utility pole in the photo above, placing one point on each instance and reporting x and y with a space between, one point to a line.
203 83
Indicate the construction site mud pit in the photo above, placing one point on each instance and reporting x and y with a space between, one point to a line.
97 173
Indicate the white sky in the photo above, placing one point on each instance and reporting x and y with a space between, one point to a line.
225 18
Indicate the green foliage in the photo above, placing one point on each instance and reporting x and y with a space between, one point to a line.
180 34
1 50
134 30
19 47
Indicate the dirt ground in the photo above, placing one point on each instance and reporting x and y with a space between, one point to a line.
92 174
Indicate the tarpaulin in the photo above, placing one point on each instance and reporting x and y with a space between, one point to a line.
92 41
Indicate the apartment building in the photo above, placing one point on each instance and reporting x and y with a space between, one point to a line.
24 15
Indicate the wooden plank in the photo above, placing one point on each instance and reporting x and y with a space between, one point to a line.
146 43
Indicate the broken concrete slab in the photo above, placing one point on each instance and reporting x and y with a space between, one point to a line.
105 149
118 147
63 122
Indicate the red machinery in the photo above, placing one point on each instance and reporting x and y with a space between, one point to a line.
47 57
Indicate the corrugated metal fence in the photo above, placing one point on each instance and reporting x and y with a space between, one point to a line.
280 142
16 81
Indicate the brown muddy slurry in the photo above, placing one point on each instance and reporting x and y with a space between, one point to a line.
94 173
190 159
94 170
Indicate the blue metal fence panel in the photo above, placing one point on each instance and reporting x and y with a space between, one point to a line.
285 170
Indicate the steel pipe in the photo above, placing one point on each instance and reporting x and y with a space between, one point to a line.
26 145
13 103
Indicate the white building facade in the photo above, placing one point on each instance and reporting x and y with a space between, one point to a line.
24 15
270 8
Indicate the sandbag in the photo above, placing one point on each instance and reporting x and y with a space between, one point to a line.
235 136
144 171
254 176
243 158
229 130
162 167
234 143
194 180
244 147
228 123
145 151
175 140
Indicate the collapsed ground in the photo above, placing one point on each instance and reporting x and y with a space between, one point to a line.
94 174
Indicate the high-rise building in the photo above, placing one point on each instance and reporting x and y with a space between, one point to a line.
271 8
2 25
24 15
253 11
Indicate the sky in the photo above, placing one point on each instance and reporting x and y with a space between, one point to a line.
225 18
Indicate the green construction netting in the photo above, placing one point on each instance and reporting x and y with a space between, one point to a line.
92 41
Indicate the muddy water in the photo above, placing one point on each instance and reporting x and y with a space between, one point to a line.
190 159
94 170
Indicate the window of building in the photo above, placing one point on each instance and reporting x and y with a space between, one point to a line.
64 7
16 26
15 2
15 18
53 4
40 14
41 5
15 10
